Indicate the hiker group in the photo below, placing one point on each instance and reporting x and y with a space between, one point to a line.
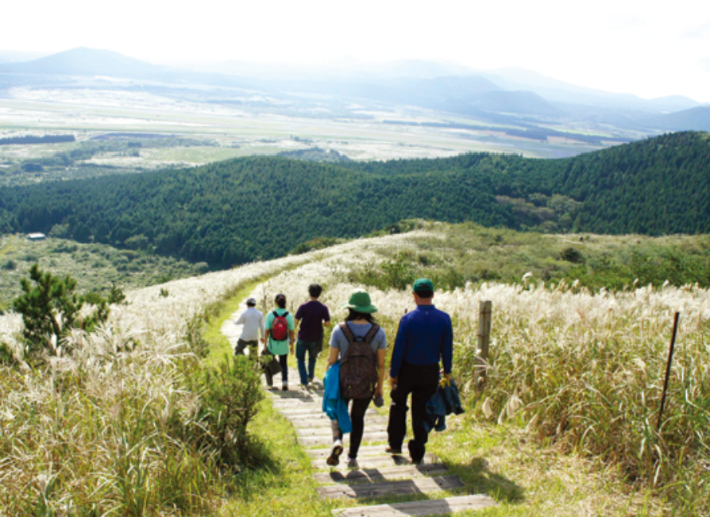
420 364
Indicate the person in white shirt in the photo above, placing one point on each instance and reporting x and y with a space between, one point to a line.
253 329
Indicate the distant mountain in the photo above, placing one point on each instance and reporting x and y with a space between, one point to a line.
504 96
339 70
467 95
557 91
84 61
696 119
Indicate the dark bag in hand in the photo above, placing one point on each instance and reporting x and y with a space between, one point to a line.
319 346
270 364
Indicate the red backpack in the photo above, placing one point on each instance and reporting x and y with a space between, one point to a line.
358 367
279 327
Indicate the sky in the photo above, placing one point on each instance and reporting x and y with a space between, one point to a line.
648 48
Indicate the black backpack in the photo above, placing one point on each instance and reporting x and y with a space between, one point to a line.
358 366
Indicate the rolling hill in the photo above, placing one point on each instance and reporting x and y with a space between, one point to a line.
84 61
239 210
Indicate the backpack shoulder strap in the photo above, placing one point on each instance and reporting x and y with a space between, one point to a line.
276 314
372 333
348 333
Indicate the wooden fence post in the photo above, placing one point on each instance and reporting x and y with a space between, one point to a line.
668 370
484 339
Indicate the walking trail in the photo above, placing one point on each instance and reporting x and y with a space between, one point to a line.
377 474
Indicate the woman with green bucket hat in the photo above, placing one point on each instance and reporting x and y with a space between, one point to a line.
360 345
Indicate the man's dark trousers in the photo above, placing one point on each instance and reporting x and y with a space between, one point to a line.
421 382
252 345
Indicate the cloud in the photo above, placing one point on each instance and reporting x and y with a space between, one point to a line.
699 32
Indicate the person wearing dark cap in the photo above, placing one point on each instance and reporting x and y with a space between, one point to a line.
253 328
424 338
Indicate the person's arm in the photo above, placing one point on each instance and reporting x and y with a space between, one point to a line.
291 333
267 331
240 319
333 356
447 351
266 340
334 347
380 371
298 317
326 321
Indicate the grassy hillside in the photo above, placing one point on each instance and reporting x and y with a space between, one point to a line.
565 426
236 211
94 266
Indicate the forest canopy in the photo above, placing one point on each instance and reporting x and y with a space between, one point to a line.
240 210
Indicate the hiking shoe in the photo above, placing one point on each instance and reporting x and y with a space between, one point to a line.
391 450
284 387
335 451
352 463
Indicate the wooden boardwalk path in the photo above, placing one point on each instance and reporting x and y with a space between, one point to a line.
377 473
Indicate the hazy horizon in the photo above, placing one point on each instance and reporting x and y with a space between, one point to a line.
623 47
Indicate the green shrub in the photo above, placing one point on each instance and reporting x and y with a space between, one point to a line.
229 395
572 255
50 308
116 295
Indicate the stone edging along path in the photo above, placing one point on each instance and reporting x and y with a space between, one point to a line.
377 474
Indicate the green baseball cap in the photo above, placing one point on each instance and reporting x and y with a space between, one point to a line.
360 301
422 284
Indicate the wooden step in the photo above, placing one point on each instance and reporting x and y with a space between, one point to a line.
381 474
445 506
306 411
296 402
373 462
326 440
326 431
390 488
317 421
294 394
365 450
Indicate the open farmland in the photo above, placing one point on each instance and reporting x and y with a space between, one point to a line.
253 125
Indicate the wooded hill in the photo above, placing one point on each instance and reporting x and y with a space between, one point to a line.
239 210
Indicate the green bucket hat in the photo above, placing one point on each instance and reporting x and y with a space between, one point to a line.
360 302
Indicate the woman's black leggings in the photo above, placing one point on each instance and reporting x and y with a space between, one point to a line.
357 417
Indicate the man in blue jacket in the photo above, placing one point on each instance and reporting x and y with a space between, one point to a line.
424 338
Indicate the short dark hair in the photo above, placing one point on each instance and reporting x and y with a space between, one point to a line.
280 300
315 290
355 315
251 303
425 293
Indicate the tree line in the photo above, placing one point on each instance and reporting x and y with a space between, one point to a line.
30 139
240 210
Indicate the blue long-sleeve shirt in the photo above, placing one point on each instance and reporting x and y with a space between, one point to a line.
425 335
